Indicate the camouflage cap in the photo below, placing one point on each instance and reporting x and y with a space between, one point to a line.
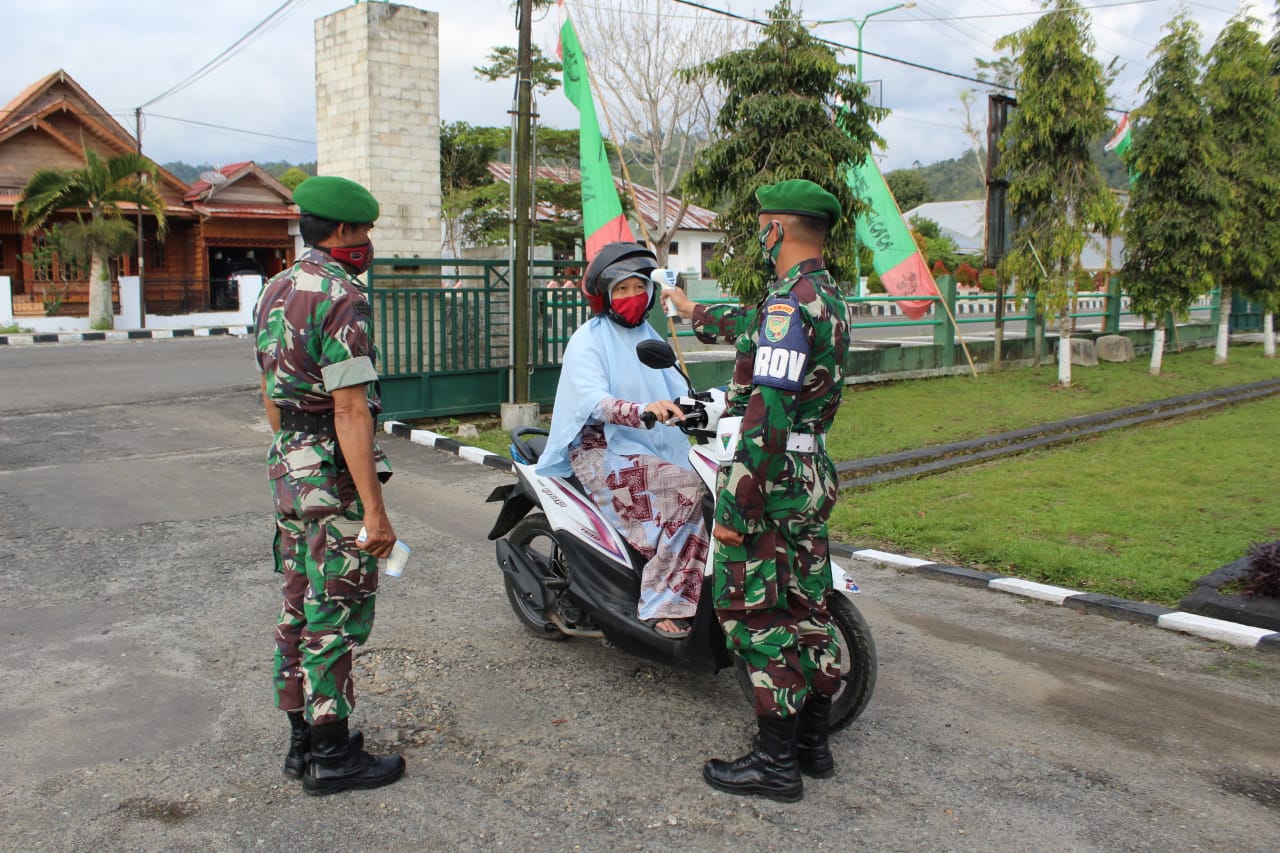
336 198
800 197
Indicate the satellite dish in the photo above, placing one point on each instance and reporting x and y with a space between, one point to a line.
214 179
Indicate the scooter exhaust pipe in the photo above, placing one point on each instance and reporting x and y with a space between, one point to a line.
594 634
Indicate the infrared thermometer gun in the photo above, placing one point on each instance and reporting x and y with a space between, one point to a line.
666 279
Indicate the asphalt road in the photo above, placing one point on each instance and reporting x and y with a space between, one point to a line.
137 610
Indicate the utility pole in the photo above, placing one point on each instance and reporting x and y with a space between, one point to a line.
142 284
520 357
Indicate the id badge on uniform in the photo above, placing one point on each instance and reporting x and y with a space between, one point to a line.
782 351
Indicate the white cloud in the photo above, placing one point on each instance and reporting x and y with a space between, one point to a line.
125 53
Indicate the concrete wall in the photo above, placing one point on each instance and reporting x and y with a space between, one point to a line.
378 117
130 316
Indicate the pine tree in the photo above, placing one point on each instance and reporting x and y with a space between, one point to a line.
791 110
1055 187
1244 123
1176 205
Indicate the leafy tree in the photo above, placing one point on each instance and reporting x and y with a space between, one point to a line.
791 110
503 62
909 188
936 247
291 177
1244 122
1176 207
1272 304
659 121
98 189
476 208
1055 188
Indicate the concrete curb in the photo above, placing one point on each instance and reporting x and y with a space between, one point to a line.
1217 630
123 335
427 438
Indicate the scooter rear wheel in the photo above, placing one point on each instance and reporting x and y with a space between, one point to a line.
533 536
858 665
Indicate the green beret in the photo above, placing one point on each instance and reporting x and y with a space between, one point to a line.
800 197
336 198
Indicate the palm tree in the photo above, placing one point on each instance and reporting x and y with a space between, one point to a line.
100 187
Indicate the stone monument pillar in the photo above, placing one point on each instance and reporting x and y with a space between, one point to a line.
378 117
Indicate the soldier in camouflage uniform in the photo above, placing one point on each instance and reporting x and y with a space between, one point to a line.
772 571
315 352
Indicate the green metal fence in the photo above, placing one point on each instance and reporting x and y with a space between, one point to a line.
442 328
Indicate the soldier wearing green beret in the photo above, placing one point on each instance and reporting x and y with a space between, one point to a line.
319 373
772 572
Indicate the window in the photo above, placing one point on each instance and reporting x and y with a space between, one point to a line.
158 257
673 249
41 258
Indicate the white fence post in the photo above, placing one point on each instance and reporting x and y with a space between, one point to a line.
250 286
6 301
130 316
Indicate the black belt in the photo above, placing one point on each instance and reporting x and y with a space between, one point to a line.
313 423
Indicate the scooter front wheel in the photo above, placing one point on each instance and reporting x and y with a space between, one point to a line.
858 664
533 537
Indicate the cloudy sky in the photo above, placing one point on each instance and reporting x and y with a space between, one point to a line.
260 103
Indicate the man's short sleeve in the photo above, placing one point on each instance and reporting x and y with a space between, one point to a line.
346 350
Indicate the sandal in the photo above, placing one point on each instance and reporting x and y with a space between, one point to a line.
683 627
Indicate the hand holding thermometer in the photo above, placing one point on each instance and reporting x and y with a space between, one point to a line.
666 279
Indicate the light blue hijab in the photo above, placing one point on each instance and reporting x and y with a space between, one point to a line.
600 361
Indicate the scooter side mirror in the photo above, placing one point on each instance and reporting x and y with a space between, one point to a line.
659 355
656 354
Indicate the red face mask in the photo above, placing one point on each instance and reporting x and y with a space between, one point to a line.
631 309
359 258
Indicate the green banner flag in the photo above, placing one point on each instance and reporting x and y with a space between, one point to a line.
602 219
894 253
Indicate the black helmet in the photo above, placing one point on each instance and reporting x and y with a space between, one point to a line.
612 264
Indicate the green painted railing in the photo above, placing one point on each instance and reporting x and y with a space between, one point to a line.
442 328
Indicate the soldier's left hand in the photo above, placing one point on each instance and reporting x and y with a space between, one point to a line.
727 535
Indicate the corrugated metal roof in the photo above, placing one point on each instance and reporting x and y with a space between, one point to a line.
244 211
646 202
202 186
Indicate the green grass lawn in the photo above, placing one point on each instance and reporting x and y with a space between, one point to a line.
1139 513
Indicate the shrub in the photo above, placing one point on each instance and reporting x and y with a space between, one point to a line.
966 274
1262 580
988 281
939 268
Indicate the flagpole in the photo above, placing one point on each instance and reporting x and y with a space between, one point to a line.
626 177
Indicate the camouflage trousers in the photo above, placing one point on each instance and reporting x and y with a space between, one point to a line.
770 592
329 591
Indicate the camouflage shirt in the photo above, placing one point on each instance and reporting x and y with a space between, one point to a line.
315 335
788 377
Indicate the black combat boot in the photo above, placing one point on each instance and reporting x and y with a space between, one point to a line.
338 764
812 748
770 769
295 760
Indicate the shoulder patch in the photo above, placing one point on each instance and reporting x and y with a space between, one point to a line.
782 351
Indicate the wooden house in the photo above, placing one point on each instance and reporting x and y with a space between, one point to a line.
236 219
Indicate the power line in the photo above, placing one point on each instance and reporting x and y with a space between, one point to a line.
931 69
233 129
218 60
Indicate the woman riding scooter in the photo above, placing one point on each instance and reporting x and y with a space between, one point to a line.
640 479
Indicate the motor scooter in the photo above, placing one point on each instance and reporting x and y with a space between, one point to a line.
569 573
